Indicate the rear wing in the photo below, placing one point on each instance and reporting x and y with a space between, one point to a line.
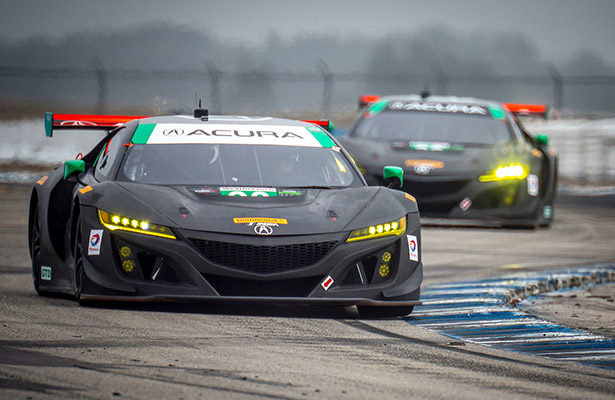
323 123
107 122
85 121
532 110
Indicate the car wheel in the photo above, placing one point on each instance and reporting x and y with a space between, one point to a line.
78 259
384 311
35 252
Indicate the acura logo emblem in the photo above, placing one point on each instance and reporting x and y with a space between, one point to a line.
77 123
422 169
173 132
263 230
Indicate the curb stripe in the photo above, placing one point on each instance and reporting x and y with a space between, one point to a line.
481 312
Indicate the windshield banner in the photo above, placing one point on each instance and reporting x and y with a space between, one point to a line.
236 134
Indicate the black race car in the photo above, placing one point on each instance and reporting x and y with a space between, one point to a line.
222 208
465 159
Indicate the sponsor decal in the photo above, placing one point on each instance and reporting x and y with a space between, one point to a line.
213 133
413 247
42 180
95 241
532 185
429 163
248 192
326 284
423 167
204 190
435 146
45 273
536 153
547 211
251 221
437 107
336 149
465 204
289 193
85 189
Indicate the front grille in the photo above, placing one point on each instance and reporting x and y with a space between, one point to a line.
434 188
429 188
263 259
436 209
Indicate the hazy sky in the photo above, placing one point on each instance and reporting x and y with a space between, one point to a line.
557 27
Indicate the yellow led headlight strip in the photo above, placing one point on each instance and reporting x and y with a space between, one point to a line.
393 228
513 171
119 222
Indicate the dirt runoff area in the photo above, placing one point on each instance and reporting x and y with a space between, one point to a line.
591 309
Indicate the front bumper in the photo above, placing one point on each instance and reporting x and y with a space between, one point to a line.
211 266
465 198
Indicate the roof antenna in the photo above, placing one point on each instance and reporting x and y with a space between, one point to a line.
201 113
425 93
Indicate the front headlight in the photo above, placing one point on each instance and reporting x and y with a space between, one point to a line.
512 171
119 222
393 228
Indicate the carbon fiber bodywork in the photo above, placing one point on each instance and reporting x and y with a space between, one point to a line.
450 180
215 251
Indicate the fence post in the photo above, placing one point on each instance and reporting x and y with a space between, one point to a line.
327 78
214 75
101 79
558 87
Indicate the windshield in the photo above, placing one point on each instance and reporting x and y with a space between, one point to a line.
246 165
433 127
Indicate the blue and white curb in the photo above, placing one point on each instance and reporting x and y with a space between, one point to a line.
483 312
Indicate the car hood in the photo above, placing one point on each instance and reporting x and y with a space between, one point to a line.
440 159
292 211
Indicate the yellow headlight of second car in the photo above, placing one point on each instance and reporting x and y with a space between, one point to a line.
393 228
119 222
512 171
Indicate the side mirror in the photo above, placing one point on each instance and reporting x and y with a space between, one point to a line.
72 166
543 139
394 175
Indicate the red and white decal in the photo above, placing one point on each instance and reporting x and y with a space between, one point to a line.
465 204
95 241
326 284
413 247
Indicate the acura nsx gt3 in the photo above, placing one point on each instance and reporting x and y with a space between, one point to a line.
222 208
464 158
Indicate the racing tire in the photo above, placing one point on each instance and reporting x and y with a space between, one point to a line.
35 252
384 311
78 259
